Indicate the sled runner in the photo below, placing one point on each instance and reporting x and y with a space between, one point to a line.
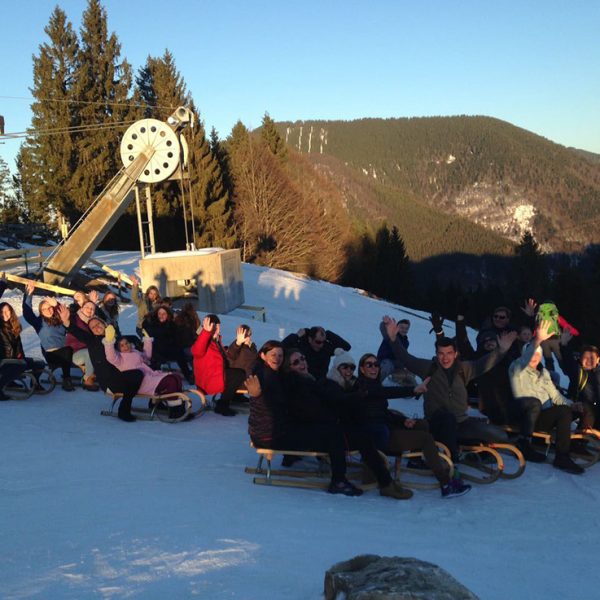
421 472
27 382
169 408
590 438
317 478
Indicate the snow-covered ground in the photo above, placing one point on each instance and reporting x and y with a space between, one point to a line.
92 507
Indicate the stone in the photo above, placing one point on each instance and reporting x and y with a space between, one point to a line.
372 577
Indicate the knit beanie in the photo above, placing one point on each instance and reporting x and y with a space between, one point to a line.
340 357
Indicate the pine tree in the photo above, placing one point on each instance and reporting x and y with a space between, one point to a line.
102 84
272 138
530 267
220 153
161 88
8 207
213 216
46 161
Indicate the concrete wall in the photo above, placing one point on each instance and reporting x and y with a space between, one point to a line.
211 275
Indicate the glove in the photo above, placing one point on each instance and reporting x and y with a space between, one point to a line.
109 333
436 321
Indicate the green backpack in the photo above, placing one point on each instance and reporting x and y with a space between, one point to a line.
548 312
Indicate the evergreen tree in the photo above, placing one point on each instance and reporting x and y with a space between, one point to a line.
219 151
530 267
238 139
46 161
272 138
211 201
9 212
161 88
102 84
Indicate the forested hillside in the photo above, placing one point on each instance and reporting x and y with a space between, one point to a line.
503 177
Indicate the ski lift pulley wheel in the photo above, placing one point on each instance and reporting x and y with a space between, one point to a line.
160 137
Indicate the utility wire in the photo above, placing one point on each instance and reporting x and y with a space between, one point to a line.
59 130
88 102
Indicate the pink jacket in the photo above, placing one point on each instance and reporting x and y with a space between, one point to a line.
135 360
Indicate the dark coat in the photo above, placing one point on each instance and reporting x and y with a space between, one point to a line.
269 415
317 361
242 357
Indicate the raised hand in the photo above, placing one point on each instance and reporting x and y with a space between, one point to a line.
110 333
135 280
506 339
543 332
240 336
207 324
565 337
65 314
252 384
529 307
391 327
29 287
436 321
93 296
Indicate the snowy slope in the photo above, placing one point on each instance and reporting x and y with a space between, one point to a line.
96 508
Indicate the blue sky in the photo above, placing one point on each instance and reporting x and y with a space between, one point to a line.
535 64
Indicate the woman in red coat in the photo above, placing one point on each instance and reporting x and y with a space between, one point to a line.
211 367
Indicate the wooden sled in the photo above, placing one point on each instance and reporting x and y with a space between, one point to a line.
444 454
158 406
317 478
591 436
480 458
28 383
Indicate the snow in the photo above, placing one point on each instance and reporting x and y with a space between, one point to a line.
96 508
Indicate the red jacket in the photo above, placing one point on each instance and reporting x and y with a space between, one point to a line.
209 364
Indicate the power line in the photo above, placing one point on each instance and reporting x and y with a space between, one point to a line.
88 102
59 130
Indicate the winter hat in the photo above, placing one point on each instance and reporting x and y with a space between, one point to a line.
340 357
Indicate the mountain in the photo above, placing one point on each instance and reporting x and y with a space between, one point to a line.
492 173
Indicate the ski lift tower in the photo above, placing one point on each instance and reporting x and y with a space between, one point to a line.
152 151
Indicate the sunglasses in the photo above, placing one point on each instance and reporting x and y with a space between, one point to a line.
500 316
297 361
370 364
347 366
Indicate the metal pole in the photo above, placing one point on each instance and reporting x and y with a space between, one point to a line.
150 219
138 210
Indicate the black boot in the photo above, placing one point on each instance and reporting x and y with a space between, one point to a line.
223 409
565 463
125 410
529 453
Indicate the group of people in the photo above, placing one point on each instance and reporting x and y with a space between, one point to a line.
307 392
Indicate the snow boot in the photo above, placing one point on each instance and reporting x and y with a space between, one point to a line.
344 487
565 463
395 490
529 454
67 384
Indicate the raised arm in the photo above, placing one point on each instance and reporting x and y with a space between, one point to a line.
34 320
462 340
336 341
420 366
474 369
